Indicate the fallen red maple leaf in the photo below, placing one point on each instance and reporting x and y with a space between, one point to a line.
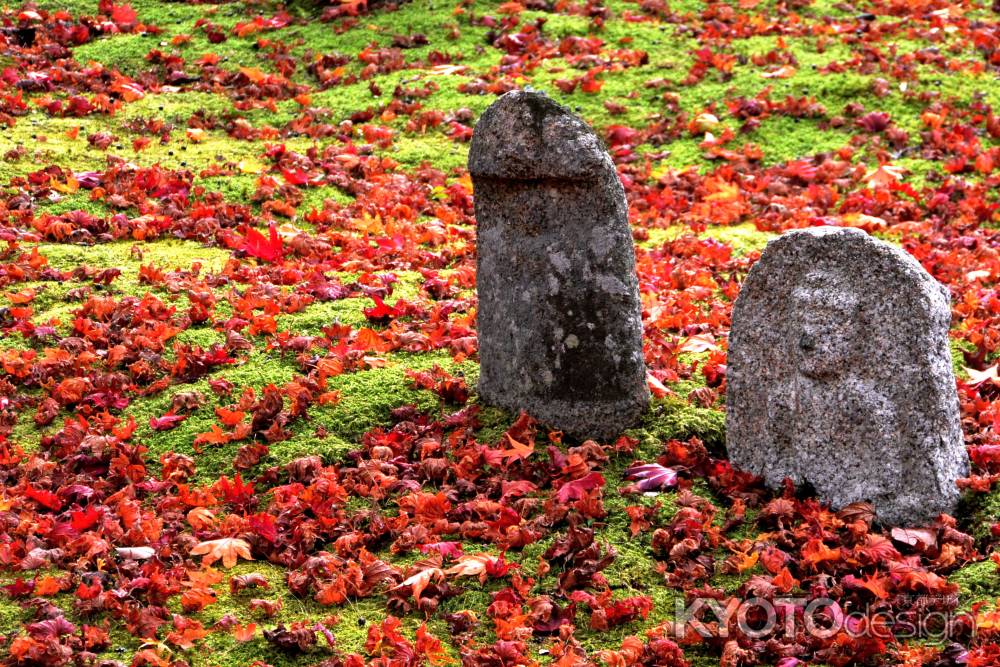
166 422
577 488
268 249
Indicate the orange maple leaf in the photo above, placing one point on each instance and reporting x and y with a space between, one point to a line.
876 585
815 552
229 417
228 549
518 451
244 633
784 581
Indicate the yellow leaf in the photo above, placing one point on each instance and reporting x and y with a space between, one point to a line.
69 187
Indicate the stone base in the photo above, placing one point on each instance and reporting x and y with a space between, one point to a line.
599 420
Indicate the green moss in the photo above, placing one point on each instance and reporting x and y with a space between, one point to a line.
445 154
14 342
203 337
348 622
976 582
45 140
784 138
48 296
177 107
674 418
314 198
742 238
178 153
958 349
495 421
166 253
126 53
78 201
367 399
978 512
12 616
238 189
313 318
634 569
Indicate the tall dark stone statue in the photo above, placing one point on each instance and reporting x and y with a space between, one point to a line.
559 320
839 375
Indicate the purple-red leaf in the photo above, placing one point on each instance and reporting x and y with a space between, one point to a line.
652 476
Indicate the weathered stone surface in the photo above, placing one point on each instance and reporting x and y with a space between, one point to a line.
559 320
839 375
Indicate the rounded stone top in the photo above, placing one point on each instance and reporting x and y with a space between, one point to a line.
848 286
528 136
852 253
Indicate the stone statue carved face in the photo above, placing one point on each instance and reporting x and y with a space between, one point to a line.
824 335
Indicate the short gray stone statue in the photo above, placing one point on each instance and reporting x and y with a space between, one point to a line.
839 375
559 319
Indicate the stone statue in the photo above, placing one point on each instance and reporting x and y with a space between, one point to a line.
840 376
559 319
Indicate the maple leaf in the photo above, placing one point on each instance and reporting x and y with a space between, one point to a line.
421 580
123 15
228 549
244 633
216 436
268 249
471 565
187 632
699 343
920 538
815 552
518 451
235 491
201 518
656 388
876 584
136 553
166 422
577 488
245 581
380 313
44 498
446 549
784 581
47 586
256 75
783 72
85 519
884 176
431 648
978 377
229 417
652 476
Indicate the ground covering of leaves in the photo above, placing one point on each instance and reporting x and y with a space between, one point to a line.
238 420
